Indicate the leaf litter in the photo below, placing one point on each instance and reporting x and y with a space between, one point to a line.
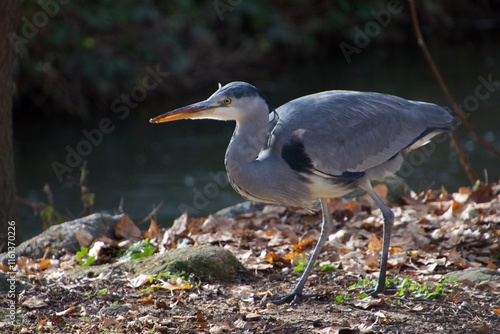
435 233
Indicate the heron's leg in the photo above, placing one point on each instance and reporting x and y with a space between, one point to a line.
386 235
326 228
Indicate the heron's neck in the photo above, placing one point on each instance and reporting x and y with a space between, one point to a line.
249 138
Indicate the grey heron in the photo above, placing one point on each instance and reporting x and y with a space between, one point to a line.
316 147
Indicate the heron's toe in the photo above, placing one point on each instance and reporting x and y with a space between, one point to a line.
292 298
380 290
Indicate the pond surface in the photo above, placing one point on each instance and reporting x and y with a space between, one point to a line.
181 163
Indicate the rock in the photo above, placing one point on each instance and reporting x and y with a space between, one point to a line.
63 236
240 209
397 189
204 261
114 310
476 275
6 282
253 316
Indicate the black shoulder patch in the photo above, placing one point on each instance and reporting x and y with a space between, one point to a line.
294 153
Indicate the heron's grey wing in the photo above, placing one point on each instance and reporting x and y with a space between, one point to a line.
344 133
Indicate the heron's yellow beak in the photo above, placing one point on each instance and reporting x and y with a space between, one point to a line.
188 112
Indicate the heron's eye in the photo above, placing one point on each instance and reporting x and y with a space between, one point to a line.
227 101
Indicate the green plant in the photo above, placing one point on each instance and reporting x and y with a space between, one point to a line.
175 279
405 287
362 283
139 250
301 265
82 257
328 268
49 216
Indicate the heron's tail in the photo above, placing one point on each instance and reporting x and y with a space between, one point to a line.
456 121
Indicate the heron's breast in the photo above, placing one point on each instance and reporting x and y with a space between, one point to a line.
247 194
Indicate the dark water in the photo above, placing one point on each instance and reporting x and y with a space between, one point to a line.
181 163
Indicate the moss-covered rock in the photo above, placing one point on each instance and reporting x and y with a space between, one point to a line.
206 261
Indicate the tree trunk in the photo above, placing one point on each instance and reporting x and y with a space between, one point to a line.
9 10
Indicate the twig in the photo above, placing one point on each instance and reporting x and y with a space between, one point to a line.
120 206
29 204
152 213
464 161
50 199
456 109
87 196
50 195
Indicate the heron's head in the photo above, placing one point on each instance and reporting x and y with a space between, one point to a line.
235 101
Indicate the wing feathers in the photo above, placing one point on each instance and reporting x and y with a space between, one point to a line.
341 131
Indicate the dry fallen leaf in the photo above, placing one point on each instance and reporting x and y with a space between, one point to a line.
273 258
153 232
67 311
427 269
417 308
491 265
34 302
172 287
303 244
200 318
96 249
344 251
483 329
464 191
180 226
456 208
368 302
484 193
126 229
147 299
374 244
4 268
137 281
352 206
292 257
394 250
242 291
223 327
44 264
252 316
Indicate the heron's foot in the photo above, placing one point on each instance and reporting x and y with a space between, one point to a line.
293 298
374 292
379 290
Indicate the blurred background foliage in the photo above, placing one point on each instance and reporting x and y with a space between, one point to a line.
88 52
